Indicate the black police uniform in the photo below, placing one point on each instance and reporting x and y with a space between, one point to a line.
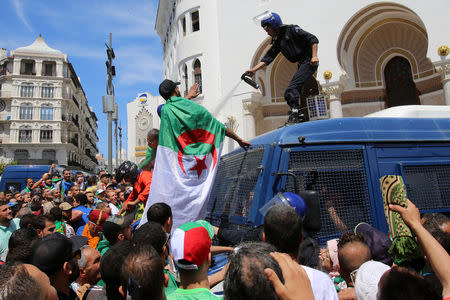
296 45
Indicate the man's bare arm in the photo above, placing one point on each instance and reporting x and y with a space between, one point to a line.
314 58
243 143
436 254
253 70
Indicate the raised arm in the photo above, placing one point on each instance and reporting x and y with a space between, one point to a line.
436 254
243 143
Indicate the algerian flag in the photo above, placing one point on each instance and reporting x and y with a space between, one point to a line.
190 143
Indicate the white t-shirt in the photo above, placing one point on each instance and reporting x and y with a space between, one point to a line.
322 286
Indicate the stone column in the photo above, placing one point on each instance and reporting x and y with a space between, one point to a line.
59 69
250 108
16 66
443 68
57 115
14 110
35 135
38 67
334 90
335 108
37 111
13 134
446 85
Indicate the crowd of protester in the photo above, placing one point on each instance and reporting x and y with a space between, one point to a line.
70 237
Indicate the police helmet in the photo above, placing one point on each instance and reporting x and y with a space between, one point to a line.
128 170
287 198
271 19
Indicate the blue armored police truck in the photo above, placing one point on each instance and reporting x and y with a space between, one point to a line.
339 163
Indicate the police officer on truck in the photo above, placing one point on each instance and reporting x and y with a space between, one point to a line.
298 46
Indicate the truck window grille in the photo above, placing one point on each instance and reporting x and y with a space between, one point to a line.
233 187
428 186
339 176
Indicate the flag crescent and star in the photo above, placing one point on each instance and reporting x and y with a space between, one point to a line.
190 143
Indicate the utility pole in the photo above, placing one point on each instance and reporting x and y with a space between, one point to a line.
115 118
108 100
120 142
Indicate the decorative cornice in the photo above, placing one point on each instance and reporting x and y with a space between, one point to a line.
444 70
333 90
232 123
250 107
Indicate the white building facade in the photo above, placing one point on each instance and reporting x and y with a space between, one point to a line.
142 117
370 46
44 113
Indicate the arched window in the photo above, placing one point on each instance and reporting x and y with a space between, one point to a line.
185 79
48 68
49 155
25 134
26 111
400 86
26 90
47 112
47 90
195 20
20 154
198 73
46 134
183 25
27 67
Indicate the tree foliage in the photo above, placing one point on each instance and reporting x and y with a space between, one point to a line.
3 165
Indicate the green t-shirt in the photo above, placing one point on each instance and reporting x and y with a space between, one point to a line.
172 286
193 294
103 246
149 156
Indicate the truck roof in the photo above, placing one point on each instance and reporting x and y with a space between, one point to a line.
366 129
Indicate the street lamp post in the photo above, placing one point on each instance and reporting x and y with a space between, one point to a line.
108 100
115 118
120 142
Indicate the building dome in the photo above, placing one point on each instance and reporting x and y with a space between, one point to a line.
39 46
377 33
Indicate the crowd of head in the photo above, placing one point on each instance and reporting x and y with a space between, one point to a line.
69 238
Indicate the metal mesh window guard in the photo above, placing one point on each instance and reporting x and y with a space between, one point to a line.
340 179
428 186
233 188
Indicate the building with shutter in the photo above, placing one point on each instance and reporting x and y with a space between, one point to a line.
44 113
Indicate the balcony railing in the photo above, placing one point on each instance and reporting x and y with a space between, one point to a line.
25 139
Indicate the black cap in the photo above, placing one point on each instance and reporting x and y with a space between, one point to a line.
105 175
167 87
378 242
51 252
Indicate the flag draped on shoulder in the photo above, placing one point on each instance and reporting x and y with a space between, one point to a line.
190 144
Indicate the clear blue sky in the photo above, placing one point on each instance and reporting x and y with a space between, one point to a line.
80 29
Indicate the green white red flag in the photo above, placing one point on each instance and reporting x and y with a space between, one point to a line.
190 144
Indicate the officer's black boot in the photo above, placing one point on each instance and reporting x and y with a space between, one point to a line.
301 117
293 117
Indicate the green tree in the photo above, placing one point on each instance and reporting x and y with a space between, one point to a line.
4 164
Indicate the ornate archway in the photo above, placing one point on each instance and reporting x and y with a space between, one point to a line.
400 86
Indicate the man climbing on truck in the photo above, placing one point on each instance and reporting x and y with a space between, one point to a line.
298 46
